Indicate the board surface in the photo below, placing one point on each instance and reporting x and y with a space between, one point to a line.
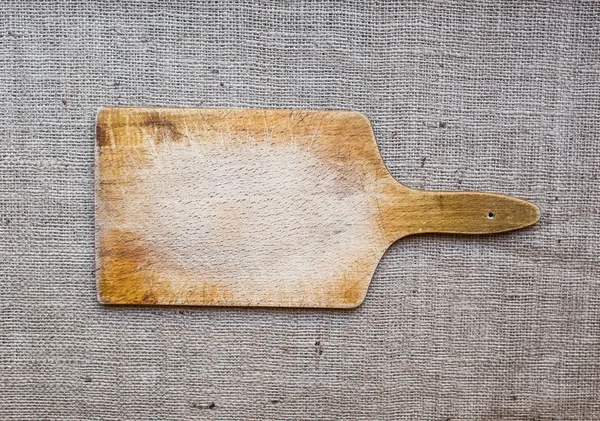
252 207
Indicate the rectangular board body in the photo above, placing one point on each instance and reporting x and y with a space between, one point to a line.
236 207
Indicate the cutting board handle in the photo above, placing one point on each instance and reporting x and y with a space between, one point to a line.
424 211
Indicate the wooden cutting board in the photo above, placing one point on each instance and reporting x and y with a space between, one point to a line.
247 207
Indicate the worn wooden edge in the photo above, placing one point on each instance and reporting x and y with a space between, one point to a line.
97 257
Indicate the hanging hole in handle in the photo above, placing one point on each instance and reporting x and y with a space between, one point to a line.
491 215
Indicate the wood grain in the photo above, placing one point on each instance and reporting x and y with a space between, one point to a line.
246 207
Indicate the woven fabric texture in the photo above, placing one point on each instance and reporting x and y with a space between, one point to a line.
477 95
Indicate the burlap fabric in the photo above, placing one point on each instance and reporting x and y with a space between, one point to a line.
490 96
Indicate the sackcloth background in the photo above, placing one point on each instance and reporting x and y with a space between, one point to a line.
478 95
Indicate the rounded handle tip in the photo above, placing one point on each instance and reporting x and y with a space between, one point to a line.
499 213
